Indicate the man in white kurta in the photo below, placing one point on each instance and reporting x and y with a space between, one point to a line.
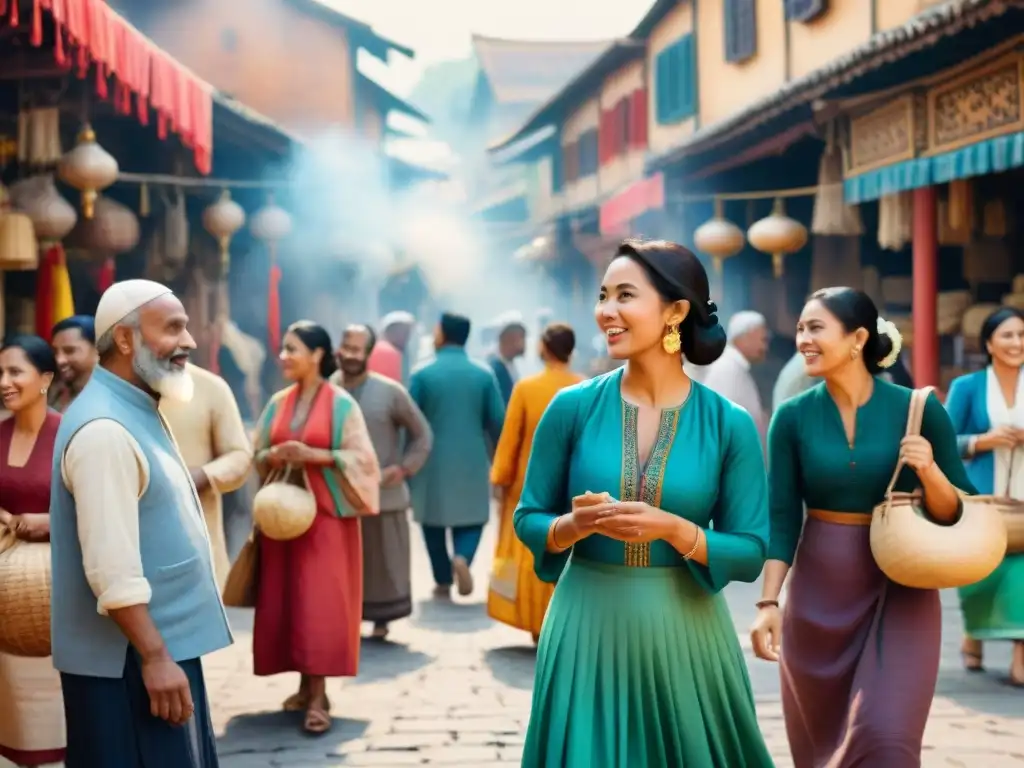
212 439
730 374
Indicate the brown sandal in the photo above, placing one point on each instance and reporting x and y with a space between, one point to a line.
317 721
299 702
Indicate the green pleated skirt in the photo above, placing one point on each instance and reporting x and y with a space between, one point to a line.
993 609
640 668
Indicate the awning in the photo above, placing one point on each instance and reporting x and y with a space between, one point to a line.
635 200
996 155
89 32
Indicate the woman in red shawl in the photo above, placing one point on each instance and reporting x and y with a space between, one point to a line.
310 598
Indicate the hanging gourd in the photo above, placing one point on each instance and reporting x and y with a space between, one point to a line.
778 235
718 237
113 229
37 197
223 219
88 168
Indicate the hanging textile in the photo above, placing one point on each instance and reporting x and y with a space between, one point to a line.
54 300
105 275
90 33
895 221
274 310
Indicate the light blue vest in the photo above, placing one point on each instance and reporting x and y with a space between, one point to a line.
176 559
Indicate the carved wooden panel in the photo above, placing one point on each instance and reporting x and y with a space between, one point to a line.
986 102
882 136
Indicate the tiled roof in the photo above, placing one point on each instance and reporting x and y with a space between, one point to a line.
532 70
920 32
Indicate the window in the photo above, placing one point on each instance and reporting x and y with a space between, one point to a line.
229 40
588 153
675 82
637 118
614 131
740 30
805 10
570 162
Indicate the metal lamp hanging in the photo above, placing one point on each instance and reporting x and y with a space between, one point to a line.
89 168
778 235
271 224
718 237
223 219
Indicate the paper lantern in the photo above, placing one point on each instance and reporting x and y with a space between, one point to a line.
271 224
19 250
719 238
222 220
37 197
88 168
113 229
778 235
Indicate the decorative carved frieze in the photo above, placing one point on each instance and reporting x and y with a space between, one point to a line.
985 102
883 136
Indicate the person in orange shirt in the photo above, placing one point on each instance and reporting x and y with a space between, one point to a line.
517 597
389 356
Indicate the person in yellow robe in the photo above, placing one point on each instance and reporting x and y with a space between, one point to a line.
213 441
517 597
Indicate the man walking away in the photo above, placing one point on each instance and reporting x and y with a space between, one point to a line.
74 345
730 374
390 413
393 355
461 401
135 604
511 345
213 441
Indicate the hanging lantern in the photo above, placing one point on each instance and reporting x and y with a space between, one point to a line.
719 238
222 220
37 197
19 250
778 235
113 229
271 224
88 168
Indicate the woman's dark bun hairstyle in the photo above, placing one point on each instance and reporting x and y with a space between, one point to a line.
992 322
678 275
36 349
316 337
854 309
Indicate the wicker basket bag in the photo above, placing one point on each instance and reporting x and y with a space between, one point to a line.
24 596
282 510
915 552
1012 512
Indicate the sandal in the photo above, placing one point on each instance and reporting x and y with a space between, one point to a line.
317 721
972 661
299 702
380 632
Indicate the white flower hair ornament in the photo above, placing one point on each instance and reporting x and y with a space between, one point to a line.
888 328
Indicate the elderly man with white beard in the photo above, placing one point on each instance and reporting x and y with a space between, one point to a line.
135 604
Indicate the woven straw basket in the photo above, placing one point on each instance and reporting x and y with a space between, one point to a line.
24 596
281 510
1011 510
914 551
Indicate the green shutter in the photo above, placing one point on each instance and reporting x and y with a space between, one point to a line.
661 85
687 78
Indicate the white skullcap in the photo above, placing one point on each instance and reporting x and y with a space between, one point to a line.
121 299
745 322
396 318
507 320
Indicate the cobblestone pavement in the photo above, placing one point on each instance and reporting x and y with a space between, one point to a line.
452 688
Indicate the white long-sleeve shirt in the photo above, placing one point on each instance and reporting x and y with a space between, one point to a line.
730 377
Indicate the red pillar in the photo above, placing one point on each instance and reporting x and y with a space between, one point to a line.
926 289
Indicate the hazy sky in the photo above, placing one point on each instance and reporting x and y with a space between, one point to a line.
441 29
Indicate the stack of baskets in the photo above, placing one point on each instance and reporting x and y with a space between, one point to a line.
24 596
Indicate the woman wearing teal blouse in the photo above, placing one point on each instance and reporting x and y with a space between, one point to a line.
987 410
859 653
655 486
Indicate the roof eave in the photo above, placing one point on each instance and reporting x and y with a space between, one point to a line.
653 17
388 101
922 31
619 54
362 34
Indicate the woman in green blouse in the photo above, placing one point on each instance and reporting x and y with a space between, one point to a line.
655 485
859 653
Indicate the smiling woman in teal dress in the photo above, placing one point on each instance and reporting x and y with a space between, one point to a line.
645 495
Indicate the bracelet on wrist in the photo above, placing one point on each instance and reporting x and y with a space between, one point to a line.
696 544
554 535
766 604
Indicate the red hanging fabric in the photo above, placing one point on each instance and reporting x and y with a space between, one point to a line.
105 275
274 310
44 292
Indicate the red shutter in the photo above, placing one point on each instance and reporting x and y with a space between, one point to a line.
622 122
638 118
606 137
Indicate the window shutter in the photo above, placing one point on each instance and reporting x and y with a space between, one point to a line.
604 138
740 29
570 155
805 10
622 120
661 85
588 153
687 105
638 124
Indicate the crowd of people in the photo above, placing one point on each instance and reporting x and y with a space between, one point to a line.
626 503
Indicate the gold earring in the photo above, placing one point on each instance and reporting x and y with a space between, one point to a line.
670 341
42 391
854 352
